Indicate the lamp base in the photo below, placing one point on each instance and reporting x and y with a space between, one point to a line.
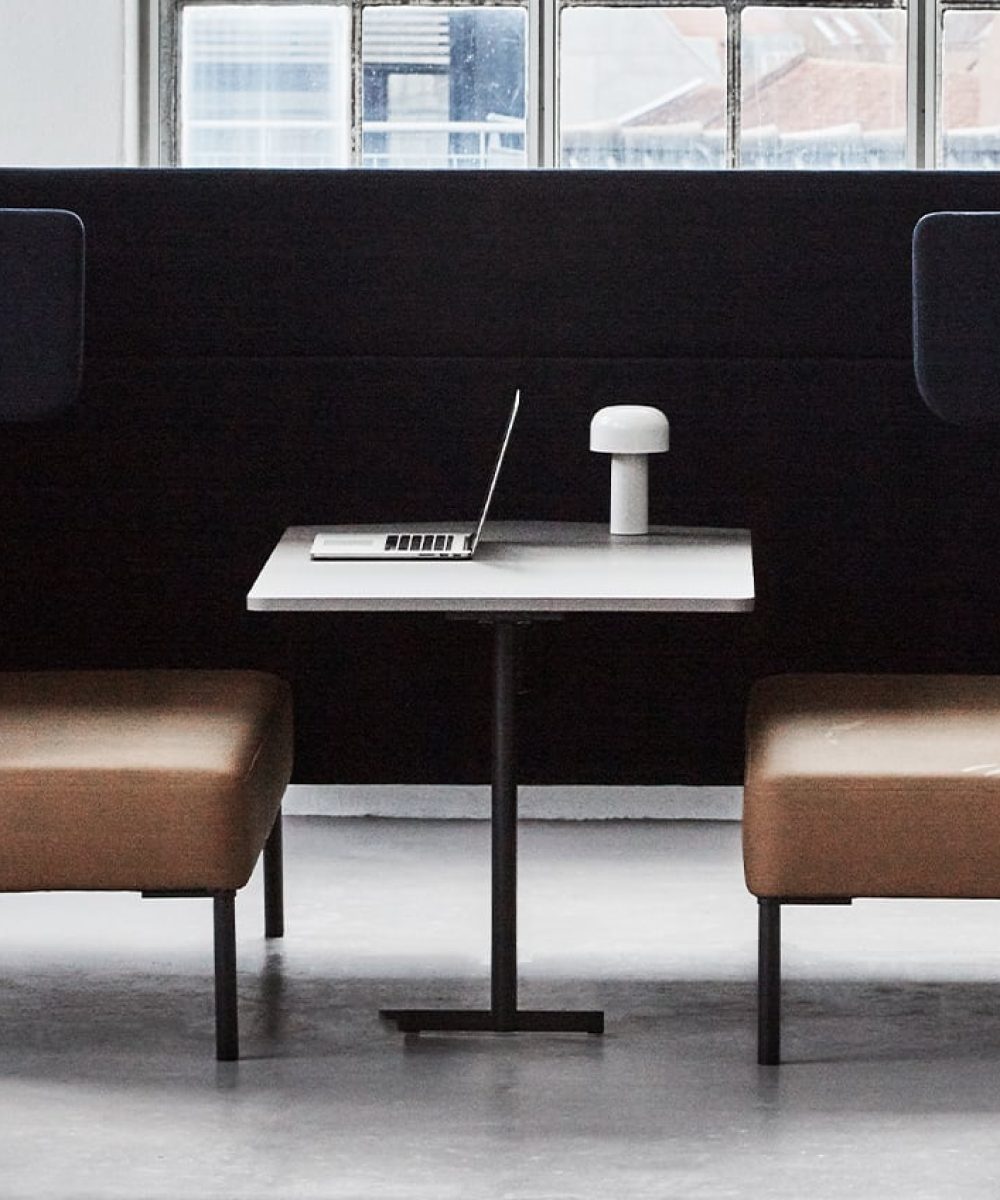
629 494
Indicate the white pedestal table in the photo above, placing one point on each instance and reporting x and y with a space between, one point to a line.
522 572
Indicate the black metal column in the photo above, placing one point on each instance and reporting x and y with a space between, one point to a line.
227 1040
504 831
503 1015
274 887
768 981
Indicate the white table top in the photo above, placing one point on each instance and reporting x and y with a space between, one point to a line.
536 566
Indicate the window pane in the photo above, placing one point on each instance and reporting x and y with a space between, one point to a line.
265 86
642 87
823 87
443 87
970 90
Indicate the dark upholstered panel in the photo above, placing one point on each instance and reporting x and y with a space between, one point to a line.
41 312
533 264
254 338
956 315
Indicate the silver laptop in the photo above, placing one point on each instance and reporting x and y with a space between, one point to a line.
401 543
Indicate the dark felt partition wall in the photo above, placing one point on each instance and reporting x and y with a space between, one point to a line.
271 348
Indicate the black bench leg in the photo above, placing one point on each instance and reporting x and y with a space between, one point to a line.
227 1037
769 982
274 887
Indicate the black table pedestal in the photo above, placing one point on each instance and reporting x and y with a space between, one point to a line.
503 1015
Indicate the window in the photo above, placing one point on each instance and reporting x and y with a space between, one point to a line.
443 86
264 86
435 85
823 87
969 134
580 83
642 87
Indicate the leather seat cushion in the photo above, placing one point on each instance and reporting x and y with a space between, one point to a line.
139 780
873 785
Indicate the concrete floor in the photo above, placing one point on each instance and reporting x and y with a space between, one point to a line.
108 1086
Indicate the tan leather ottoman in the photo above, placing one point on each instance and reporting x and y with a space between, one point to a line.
866 785
164 782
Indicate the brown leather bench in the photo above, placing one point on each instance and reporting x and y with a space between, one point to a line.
167 783
866 786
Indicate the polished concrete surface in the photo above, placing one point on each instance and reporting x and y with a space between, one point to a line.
109 1088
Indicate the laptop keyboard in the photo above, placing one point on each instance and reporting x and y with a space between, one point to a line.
419 541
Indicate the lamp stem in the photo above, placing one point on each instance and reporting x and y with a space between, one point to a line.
629 494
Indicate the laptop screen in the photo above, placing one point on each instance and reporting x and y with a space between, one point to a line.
496 470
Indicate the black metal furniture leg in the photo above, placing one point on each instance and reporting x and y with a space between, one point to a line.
274 886
503 1015
769 982
227 1041
503 997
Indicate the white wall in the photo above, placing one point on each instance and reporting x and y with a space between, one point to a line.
68 83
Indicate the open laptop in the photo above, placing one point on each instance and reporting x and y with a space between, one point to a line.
400 543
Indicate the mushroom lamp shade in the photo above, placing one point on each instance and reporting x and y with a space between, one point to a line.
629 433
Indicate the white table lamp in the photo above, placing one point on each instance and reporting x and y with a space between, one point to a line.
629 432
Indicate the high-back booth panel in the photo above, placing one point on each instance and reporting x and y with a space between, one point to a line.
41 312
275 348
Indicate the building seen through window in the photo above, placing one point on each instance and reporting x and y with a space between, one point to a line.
673 87
443 87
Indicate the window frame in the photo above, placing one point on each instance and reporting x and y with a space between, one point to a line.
924 25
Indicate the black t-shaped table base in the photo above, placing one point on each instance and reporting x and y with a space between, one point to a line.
503 1015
